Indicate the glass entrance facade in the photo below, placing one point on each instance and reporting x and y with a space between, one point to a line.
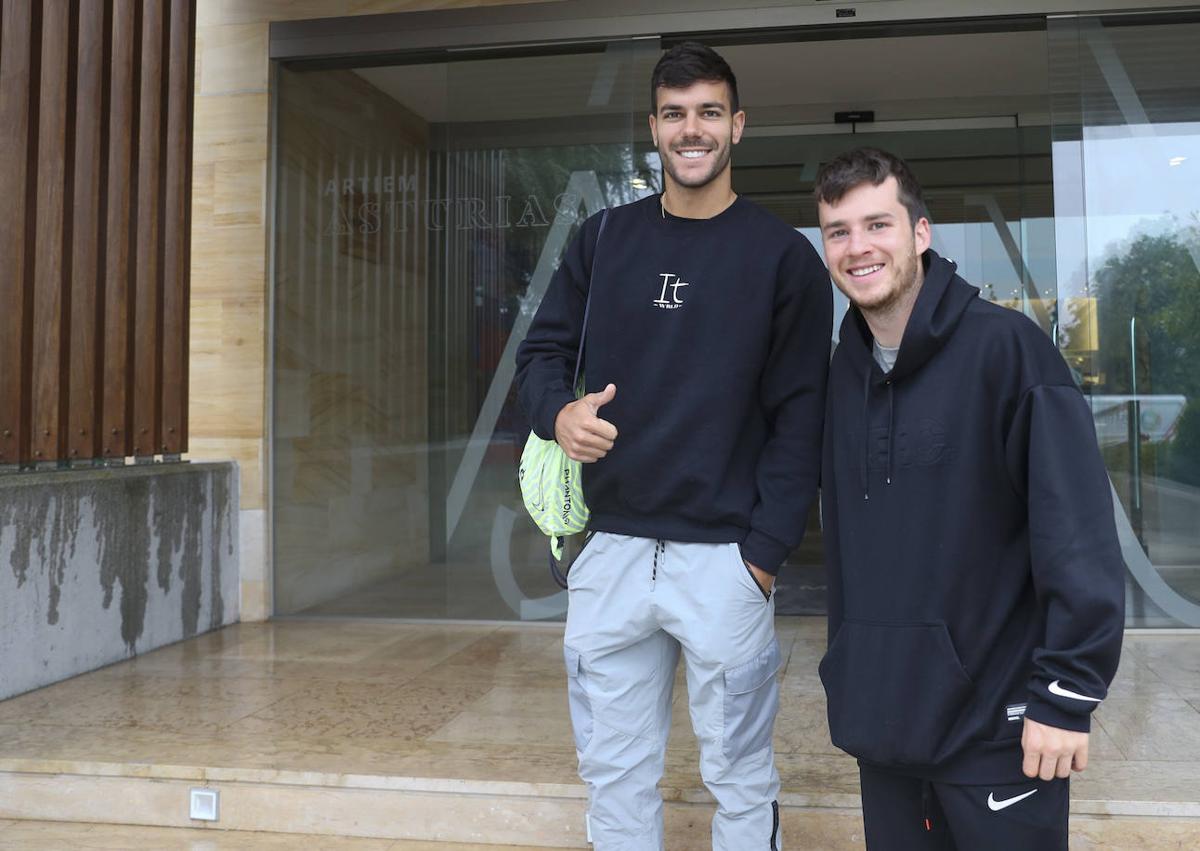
1126 127
422 208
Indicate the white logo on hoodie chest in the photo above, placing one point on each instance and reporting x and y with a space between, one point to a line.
669 297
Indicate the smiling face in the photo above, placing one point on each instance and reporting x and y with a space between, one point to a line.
872 248
695 130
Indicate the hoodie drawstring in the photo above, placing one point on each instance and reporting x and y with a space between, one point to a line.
866 466
891 412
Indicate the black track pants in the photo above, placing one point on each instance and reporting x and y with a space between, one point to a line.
903 813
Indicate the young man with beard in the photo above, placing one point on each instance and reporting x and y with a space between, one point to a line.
976 583
706 358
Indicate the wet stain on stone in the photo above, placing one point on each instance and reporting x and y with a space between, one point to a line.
180 526
25 513
63 532
221 510
44 529
177 524
123 529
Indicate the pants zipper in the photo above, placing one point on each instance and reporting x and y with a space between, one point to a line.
660 550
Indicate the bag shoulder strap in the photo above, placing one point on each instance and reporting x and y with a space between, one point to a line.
588 304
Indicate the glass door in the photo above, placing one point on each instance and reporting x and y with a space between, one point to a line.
533 147
1126 125
421 212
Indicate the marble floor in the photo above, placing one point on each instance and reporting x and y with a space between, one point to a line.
43 835
487 703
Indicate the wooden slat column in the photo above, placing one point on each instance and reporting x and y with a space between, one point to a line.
19 54
86 293
95 186
176 227
54 132
147 298
118 237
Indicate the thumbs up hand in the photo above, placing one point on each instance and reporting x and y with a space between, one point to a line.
580 431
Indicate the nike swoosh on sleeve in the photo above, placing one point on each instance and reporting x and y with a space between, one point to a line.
1055 688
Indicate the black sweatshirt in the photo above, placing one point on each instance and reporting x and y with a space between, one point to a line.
716 334
975 573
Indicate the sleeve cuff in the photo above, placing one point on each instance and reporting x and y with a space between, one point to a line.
764 552
1050 715
552 403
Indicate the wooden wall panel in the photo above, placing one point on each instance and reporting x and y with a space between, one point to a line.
18 58
173 427
86 293
147 287
95 174
121 177
50 228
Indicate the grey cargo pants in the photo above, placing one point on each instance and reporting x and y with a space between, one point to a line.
634 604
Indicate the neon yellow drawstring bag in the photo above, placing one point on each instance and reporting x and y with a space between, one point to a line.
551 483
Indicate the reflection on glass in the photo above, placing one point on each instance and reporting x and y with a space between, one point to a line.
1127 161
421 212
422 209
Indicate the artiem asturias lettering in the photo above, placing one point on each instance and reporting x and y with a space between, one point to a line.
369 205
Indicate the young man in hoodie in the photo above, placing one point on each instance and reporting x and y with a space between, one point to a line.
705 368
976 583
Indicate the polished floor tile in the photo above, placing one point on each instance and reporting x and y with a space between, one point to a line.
394 656
801 725
1101 745
1157 728
1135 678
111 698
488 703
508 656
1138 781
349 710
511 715
1170 656
40 836
799 675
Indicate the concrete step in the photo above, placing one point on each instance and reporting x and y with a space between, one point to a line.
42 835
339 807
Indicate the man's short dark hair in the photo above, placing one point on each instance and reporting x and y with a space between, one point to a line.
688 63
869 165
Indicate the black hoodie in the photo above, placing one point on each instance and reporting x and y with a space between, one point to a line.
975 573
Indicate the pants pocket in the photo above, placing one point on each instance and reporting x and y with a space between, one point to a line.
578 703
754 579
894 690
751 701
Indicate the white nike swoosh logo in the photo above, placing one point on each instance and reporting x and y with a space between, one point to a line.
996 806
1055 688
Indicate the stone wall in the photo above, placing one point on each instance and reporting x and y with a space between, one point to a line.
100 565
